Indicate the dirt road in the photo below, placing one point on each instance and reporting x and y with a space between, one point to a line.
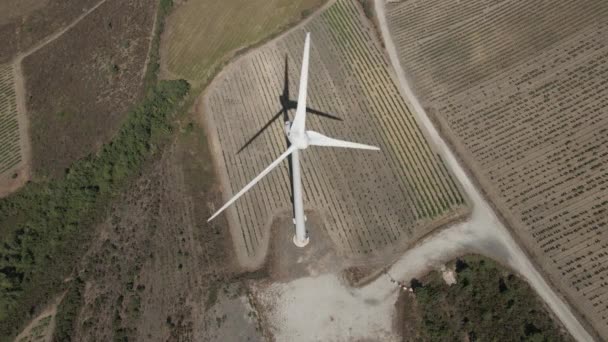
483 233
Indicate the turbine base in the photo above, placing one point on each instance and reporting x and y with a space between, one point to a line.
300 243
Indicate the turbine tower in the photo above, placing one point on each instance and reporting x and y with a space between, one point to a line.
300 139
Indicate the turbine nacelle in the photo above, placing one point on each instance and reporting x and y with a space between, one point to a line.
298 140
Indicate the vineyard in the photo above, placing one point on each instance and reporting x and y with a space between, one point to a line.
10 148
372 203
523 97
194 48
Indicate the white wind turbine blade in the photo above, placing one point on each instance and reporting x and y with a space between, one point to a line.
255 180
299 122
318 139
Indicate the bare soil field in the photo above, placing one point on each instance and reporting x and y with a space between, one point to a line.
23 23
519 90
195 49
372 205
80 85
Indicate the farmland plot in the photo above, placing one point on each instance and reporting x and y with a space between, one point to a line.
372 203
520 89
10 148
194 48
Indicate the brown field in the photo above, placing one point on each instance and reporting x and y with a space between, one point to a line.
520 90
78 90
153 265
12 9
23 23
372 204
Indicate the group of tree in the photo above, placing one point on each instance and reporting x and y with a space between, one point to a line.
488 303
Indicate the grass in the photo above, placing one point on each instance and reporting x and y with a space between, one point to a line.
236 24
488 303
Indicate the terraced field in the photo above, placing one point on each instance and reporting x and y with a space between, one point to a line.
194 49
521 91
10 148
372 203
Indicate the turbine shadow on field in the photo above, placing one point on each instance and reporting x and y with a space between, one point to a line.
286 105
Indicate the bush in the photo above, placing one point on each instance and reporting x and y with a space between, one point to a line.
488 303
68 311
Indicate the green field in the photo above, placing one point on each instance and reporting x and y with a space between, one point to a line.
195 49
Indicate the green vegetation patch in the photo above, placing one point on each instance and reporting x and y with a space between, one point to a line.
488 303
44 227
68 311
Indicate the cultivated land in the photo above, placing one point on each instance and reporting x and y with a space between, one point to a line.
11 158
522 100
195 49
370 204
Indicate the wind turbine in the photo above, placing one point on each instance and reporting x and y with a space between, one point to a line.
299 139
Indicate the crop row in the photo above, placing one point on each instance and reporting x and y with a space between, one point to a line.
461 54
10 149
369 201
526 102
